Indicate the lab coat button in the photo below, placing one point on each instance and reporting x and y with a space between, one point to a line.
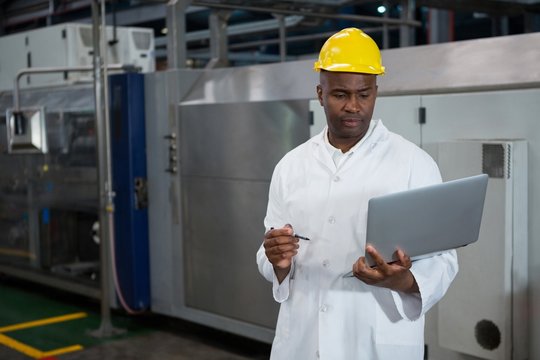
331 220
337 178
326 263
324 308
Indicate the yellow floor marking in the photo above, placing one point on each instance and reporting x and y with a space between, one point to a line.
20 347
30 351
61 351
42 322
15 252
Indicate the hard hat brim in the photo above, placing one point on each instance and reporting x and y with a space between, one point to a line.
363 69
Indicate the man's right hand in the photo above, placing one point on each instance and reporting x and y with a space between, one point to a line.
280 247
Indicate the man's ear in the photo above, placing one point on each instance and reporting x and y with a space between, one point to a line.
319 94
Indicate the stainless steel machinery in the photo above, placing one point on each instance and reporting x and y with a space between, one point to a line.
48 202
213 139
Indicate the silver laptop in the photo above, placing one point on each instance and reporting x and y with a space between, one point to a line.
428 220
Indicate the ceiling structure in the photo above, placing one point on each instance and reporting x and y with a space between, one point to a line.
267 31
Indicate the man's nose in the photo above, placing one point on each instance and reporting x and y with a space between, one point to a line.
353 104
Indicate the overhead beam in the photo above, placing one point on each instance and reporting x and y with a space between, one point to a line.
486 6
270 10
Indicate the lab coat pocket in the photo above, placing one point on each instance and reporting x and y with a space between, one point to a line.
392 329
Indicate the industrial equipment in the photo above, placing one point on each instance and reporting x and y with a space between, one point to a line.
49 196
69 45
494 325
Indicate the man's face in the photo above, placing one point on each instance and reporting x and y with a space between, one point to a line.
348 100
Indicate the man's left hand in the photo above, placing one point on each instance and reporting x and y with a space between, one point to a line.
395 276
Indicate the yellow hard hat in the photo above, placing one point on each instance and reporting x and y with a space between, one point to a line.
350 50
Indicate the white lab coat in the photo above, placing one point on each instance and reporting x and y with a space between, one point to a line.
322 314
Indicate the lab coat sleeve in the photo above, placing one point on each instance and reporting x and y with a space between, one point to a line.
274 218
434 274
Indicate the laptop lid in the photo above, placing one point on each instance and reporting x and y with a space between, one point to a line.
427 220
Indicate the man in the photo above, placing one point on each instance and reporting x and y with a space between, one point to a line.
321 188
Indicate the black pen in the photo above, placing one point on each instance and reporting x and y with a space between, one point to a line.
297 236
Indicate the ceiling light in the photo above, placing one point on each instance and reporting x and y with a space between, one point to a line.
381 9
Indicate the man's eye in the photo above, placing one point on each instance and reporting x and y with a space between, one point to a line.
339 95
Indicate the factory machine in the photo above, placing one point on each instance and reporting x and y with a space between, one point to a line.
49 228
212 138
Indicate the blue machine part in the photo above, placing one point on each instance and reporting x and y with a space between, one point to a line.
128 149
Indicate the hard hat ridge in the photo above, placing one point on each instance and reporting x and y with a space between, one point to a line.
350 50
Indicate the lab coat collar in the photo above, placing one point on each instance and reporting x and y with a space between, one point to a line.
377 132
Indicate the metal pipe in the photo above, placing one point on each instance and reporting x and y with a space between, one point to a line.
386 38
282 38
308 37
48 70
98 94
176 33
372 19
218 39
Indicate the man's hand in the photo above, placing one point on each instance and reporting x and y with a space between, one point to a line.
395 276
280 247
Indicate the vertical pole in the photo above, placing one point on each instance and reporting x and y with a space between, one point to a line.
176 33
103 168
440 26
51 12
282 37
386 41
406 32
218 38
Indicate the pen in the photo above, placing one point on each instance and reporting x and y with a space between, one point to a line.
297 236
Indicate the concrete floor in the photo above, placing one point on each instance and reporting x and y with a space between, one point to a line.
148 337
162 346
157 346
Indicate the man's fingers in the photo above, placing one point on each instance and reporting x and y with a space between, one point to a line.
282 248
405 259
379 261
284 231
362 271
278 241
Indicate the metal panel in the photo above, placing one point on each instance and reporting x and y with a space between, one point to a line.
462 66
228 152
162 93
241 140
494 115
283 81
400 115
223 230
473 65
484 312
128 152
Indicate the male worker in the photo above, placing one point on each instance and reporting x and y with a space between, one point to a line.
321 189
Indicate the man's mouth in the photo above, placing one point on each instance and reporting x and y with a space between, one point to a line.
350 122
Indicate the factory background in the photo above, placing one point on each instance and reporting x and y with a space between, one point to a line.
140 124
